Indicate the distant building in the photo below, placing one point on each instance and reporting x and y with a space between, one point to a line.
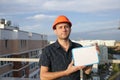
15 43
95 77
99 42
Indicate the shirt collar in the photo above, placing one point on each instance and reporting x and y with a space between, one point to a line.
57 45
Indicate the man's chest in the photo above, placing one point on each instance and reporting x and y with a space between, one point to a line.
60 59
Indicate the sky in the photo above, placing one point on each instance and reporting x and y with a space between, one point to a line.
87 16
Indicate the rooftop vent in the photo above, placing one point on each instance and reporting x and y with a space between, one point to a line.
2 21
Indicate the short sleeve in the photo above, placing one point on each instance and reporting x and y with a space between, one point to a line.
44 58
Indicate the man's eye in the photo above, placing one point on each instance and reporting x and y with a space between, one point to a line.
60 27
66 26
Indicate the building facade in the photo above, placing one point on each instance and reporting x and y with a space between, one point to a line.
15 43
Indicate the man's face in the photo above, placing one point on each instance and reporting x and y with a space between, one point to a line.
62 30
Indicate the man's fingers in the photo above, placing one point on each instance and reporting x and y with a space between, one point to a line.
72 62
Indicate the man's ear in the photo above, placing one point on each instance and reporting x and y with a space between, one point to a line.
54 31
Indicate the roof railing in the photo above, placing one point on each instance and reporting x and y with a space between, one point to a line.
37 60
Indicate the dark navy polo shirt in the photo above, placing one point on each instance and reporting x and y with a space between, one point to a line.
57 59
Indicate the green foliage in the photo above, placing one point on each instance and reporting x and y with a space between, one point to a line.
116 67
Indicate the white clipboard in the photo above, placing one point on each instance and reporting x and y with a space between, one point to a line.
84 56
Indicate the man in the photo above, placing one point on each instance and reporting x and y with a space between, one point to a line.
56 59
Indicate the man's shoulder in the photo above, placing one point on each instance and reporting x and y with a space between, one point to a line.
76 44
49 46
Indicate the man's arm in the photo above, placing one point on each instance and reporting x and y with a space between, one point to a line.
46 75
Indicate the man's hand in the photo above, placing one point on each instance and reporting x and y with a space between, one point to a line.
72 68
97 47
87 69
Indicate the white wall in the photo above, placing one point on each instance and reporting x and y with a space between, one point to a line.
14 34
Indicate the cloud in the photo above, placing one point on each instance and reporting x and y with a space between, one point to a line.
34 13
95 25
20 6
83 5
40 23
97 35
37 28
43 20
41 17
34 6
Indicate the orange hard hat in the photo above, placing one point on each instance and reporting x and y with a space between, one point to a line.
61 19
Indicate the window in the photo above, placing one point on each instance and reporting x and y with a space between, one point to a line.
23 73
2 63
23 43
8 74
6 43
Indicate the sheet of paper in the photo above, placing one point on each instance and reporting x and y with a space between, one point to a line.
85 56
